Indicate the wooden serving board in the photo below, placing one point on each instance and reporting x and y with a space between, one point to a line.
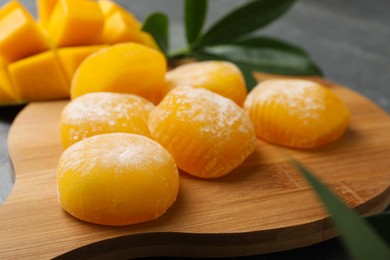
262 206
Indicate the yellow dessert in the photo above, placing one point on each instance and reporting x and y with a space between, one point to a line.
104 112
124 68
221 77
296 113
207 134
117 179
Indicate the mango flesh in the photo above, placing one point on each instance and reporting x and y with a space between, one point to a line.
7 92
39 77
16 27
119 25
71 57
123 68
73 29
76 22
44 10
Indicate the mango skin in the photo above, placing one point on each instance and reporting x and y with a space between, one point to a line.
39 77
113 69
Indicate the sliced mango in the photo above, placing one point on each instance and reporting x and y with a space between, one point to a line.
7 92
75 23
39 77
20 36
44 9
71 57
123 68
120 25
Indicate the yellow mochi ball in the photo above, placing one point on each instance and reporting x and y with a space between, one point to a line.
296 113
129 68
117 179
207 134
104 112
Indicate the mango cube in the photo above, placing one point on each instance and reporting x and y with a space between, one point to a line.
39 77
44 9
75 23
148 40
71 57
7 92
120 25
19 34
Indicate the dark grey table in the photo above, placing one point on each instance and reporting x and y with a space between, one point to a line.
349 39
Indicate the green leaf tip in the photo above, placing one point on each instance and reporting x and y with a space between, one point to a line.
358 236
245 19
195 12
157 24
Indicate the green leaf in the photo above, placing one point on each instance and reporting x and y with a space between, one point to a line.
195 15
358 236
250 80
244 20
157 24
276 59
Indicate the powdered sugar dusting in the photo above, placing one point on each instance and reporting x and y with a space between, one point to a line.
117 153
301 98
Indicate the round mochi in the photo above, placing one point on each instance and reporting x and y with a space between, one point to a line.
296 113
207 134
117 179
104 112
130 68
220 77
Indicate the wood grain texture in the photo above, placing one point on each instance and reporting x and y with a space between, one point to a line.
262 206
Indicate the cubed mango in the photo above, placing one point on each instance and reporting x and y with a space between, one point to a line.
39 77
120 25
44 9
75 23
148 40
20 36
71 57
7 92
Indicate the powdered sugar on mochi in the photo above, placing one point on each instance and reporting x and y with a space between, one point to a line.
199 73
118 153
103 108
301 98
216 115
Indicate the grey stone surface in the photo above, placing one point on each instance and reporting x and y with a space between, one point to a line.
349 39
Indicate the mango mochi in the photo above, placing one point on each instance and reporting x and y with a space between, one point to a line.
123 68
104 112
221 77
117 179
296 113
207 134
